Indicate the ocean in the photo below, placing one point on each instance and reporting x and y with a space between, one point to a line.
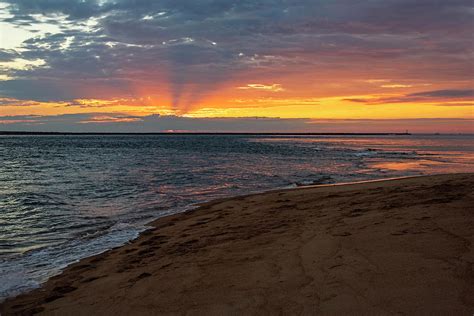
63 198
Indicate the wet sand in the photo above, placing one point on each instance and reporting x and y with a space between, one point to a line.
399 246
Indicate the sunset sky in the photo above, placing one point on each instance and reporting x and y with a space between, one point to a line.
247 65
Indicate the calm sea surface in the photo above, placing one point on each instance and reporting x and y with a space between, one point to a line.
63 198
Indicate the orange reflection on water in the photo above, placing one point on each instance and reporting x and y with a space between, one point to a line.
458 164
404 165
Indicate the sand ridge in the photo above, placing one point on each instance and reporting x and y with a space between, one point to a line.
393 247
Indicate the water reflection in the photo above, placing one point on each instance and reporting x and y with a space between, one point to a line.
66 197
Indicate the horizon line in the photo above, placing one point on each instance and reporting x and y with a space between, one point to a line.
6 133
39 133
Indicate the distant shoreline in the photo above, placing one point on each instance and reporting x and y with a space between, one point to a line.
207 133
27 133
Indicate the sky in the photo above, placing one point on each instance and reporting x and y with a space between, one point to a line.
237 66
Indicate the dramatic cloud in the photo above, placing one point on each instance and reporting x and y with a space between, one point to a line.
186 50
257 86
16 102
182 65
444 94
425 96
396 86
7 55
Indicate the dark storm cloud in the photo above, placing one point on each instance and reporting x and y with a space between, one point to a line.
197 45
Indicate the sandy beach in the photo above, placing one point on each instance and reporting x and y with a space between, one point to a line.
392 247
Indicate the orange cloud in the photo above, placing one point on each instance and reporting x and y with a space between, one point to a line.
257 86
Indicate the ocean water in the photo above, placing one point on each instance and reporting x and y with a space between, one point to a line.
63 198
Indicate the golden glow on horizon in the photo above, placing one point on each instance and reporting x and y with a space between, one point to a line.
327 108
289 97
335 108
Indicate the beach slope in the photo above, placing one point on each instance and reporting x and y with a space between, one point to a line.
397 246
